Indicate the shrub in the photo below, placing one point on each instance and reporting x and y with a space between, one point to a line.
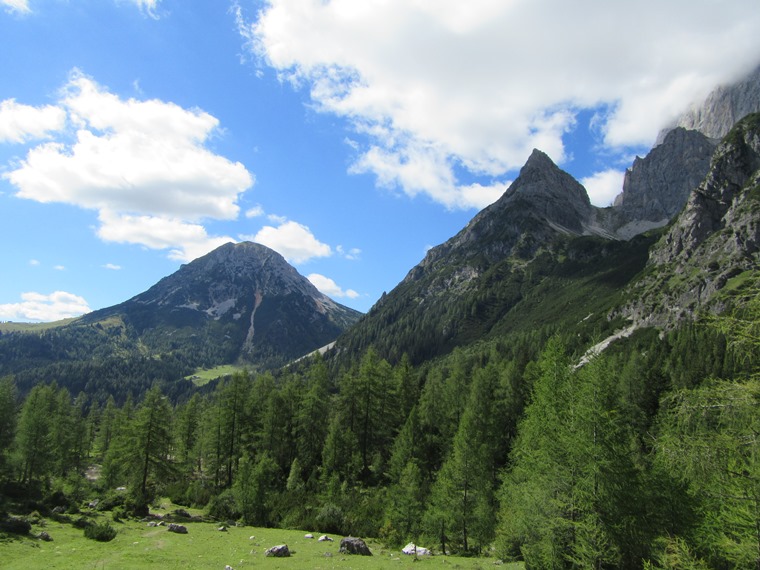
103 532
15 526
222 507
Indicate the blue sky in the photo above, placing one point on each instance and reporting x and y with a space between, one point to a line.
349 135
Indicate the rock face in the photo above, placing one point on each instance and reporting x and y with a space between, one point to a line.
351 545
716 237
723 108
656 188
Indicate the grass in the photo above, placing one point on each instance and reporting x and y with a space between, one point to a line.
10 326
139 546
203 376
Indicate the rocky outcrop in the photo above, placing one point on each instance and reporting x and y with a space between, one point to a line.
352 545
715 238
722 109
656 188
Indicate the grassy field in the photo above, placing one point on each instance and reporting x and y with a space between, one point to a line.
205 375
10 326
139 546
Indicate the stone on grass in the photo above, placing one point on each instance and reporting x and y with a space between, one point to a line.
45 536
412 548
309 535
352 545
178 528
324 538
280 551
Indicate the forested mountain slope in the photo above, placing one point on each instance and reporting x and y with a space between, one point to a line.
242 303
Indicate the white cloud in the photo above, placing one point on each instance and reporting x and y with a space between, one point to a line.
602 187
440 89
20 6
292 240
59 267
141 164
20 123
39 307
112 266
186 241
34 262
351 254
330 287
147 6
254 212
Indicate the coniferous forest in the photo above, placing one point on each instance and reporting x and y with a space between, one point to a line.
515 448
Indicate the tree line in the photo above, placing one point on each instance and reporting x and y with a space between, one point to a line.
647 456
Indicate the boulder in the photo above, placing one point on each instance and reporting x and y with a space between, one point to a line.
178 528
413 549
280 551
324 538
309 535
45 536
352 545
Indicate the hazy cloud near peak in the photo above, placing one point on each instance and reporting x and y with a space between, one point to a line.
437 85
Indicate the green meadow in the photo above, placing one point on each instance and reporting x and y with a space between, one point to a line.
138 545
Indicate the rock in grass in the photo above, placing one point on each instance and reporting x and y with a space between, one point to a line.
324 538
178 528
352 545
280 551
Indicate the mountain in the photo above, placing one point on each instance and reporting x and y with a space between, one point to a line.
722 109
714 245
543 256
656 187
242 303
540 255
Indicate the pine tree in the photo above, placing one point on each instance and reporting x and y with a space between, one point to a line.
7 420
34 439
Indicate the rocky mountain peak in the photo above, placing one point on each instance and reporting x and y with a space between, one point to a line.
715 238
657 186
246 298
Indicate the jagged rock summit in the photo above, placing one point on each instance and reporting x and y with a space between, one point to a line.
714 240
242 301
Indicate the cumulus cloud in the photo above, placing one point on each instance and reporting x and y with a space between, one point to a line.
330 287
142 164
440 91
20 123
19 6
603 187
112 266
186 241
294 241
45 308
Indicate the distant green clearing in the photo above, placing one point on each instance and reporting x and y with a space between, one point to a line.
204 376
139 546
10 326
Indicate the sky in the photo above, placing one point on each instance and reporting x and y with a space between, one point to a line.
348 135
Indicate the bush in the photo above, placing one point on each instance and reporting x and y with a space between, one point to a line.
15 525
222 507
103 532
